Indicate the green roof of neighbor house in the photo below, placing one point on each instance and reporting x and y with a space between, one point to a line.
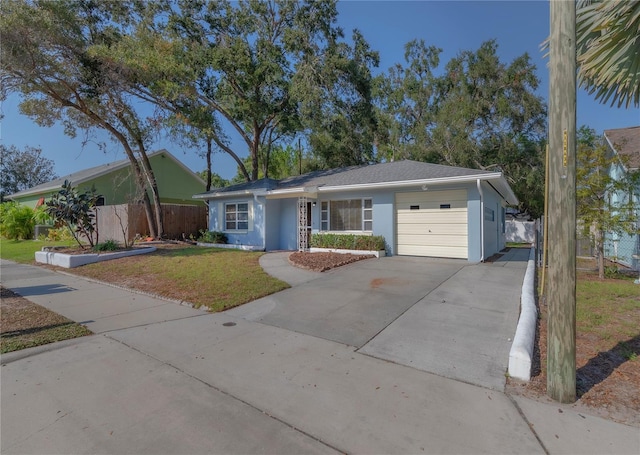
626 142
176 182
390 174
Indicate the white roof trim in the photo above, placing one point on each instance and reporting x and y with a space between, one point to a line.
311 191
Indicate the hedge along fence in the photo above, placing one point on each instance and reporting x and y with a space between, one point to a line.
348 242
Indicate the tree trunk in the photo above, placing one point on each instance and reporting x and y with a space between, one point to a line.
138 174
209 151
600 251
153 185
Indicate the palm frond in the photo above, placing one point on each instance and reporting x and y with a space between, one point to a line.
608 48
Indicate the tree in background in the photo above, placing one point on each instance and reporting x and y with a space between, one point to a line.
479 113
406 98
607 47
597 210
336 97
46 57
23 169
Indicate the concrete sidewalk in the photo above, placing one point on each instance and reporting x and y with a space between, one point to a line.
218 383
99 307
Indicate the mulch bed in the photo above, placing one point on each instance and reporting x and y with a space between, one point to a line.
321 262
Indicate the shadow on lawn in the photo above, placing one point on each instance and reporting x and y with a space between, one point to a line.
600 367
32 330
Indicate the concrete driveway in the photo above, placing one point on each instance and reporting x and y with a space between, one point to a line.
352 304
443 316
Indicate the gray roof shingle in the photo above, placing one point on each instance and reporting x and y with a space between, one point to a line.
626 142
396 171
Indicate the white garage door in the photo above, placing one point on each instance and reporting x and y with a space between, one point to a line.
432 223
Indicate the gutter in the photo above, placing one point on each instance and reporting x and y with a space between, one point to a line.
481 220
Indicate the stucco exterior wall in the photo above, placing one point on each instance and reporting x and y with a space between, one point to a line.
275 221
255 234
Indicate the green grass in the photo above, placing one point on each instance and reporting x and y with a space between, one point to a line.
518 245
24 250
601 305
214 278
40 336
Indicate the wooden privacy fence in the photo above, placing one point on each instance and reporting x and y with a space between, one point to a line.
125 221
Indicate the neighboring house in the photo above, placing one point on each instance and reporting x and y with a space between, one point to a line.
116 184
421 209
625 142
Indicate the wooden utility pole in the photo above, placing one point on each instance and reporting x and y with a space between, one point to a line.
561 327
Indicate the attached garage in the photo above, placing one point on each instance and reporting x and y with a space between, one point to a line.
432 223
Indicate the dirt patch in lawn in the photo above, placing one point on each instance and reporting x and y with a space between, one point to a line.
607 363
23 324
321 262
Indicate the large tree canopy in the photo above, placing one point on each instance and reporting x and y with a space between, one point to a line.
45 57
250 68
478 112
23 169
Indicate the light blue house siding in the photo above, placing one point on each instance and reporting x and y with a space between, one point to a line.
254 234
622 247
273 222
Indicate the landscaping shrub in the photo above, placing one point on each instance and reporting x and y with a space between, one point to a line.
75 209
16 221
212 237
348 241
61 234
108 245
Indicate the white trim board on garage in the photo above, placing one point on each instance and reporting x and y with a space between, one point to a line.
432 223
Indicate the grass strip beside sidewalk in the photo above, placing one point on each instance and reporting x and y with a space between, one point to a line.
23 324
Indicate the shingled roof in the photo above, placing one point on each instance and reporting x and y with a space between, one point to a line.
396 172
85 175
626 142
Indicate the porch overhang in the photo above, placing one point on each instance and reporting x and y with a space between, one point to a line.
310 192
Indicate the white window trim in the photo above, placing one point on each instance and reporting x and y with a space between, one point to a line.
362 231
222 217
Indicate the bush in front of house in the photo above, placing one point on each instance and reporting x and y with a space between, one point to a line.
16 221
108 245
212 237
348 242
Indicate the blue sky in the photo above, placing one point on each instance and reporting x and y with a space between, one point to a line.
518 27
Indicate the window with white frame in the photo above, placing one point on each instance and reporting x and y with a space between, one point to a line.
346 215
236 216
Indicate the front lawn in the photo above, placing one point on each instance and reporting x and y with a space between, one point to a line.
24 250
218 279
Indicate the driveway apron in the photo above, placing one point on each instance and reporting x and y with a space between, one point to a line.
463 329
443 316
352 304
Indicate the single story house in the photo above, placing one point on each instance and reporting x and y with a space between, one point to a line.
421 209
116 184
624 142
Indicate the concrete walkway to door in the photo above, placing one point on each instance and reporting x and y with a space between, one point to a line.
444 316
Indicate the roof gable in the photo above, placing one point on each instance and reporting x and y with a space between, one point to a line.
86 175
626 142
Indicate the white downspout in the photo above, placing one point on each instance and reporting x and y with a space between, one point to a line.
481 220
